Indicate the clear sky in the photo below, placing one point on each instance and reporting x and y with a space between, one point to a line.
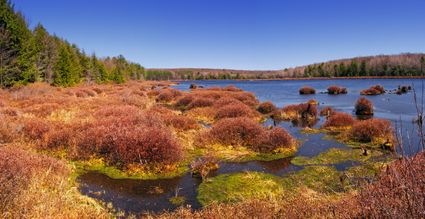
238 34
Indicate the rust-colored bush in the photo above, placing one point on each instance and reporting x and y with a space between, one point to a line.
398 192
167 95
129 139
303 111
266 107
307 90
372 129
234 110
200 102
339 119
336 90
184 101
327 111
374 90
364 107
223 101
35 129
180 122
232 88
237 132
17 167
274 139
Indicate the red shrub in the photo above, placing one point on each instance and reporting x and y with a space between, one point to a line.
232 88
184 101
128 139
35 129
364 107
17 168
237 132
301 111
337 90
247 98
180 122
201 102
398 192
266 107
226 101
9 111
368 130
274 139
327 111
167 95
339 119
233 111
307 90
374 90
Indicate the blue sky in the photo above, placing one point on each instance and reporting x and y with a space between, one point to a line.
238 34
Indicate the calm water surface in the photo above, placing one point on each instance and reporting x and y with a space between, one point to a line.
137 196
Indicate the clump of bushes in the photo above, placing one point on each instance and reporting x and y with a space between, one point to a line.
403 89
266 107
336 90
168 94
233 111
297 112
372 130
201 102
201 167
184 101
363 107
339 120
180 122
307 90
327 111
374 90
248 133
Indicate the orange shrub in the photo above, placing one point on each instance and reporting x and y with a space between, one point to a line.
167 95
327 111
374 90
180 122
364 107
339 119
300 111
337 90
200 102
35 129
226 101
274 139
266 107
307 90
232 88
372 129
234 110
184 101
236 131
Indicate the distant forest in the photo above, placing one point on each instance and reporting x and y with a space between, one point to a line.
34 55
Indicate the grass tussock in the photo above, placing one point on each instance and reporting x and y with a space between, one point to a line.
372 130
364 107
335 90
266 107
339 120
307 90
374 90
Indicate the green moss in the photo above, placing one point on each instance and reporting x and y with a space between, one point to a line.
238 187
324 179
335 156
177 200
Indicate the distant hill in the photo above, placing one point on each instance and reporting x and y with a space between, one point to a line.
407 64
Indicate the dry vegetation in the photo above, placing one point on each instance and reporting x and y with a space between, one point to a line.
307 90
336 90
374 90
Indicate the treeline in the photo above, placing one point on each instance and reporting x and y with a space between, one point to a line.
35 55
383 65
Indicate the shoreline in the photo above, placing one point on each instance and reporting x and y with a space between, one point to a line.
307 79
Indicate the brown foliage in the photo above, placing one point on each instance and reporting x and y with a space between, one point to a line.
368 130
234 110
236 131
273 139
327 111
168 94
200 102
398 192
307 90
364 107
266 107
337 90
374 90
339 119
